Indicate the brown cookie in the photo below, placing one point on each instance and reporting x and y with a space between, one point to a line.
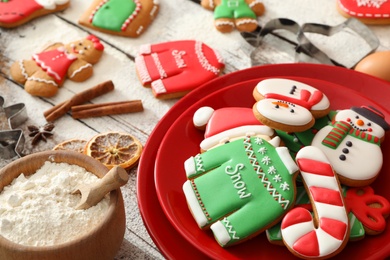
119 17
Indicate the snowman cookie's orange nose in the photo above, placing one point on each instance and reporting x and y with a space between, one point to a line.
360 122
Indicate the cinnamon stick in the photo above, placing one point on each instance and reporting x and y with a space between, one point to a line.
80 98
104 109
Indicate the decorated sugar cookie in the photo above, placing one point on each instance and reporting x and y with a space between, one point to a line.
325 234
352 144
172 69
239 14
47 70
120 17
17 12
367 11
240 188
225 124
288 105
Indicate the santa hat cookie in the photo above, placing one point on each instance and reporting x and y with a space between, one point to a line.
367 11
223 124
289 105
17 12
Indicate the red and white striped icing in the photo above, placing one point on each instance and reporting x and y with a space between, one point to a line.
301 234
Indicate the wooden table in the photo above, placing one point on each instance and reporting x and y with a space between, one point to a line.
177 20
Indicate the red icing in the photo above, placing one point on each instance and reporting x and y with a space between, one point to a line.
96 42
54 61
333 227
315 167
366 10
307 245
324 195
296 216
307 99
16 10
227 118
372 218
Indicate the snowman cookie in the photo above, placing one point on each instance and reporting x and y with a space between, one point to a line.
17 12
240 188
288 105
129 18
352 144
46 71
226 124
172 69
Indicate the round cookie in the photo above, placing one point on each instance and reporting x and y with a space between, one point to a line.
17 12
367 11
352 144
172 69
241 188
128 18
288 105
47 71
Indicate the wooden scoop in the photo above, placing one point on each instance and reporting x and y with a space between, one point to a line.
91 194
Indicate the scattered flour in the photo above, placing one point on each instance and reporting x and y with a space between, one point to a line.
38 210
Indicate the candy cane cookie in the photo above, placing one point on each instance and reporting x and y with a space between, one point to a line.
327 233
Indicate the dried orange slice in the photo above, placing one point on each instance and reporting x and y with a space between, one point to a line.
114 148
76 145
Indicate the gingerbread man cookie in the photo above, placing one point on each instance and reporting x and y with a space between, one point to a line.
46 71
289 105
17 12
352 144
239 14
172 69
128 18
241 188
367 11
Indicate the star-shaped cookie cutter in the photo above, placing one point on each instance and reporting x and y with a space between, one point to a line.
11 140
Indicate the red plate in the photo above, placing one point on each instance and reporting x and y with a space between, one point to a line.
182 141
166 237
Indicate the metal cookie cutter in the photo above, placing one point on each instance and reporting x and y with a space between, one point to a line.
11 140
305 50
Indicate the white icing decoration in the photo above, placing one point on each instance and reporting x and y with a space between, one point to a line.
80 69
202 116
203 60
266 160
159 66
142 70
235 132
178 56
259 141
223 23
220 233
246 21
189 166
285 156
262 150
371 3
285 186
271 170
43 80
51 4
277 178
252 4
158 87
23 70
193 203
145 49
237 181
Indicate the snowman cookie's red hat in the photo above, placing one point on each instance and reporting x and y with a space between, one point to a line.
372 114
226 123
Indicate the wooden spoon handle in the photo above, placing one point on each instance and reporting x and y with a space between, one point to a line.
113 179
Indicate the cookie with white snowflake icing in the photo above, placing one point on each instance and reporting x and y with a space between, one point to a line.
288 105
229 185
352 144
367 11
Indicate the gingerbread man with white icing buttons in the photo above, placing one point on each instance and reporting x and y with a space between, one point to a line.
46 71
352 144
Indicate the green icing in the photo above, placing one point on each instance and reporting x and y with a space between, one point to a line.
113 14
233 9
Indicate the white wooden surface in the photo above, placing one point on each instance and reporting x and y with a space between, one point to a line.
177 19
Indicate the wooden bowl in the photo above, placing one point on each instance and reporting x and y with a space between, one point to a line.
103 242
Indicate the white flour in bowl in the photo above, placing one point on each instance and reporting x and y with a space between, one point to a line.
39 210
